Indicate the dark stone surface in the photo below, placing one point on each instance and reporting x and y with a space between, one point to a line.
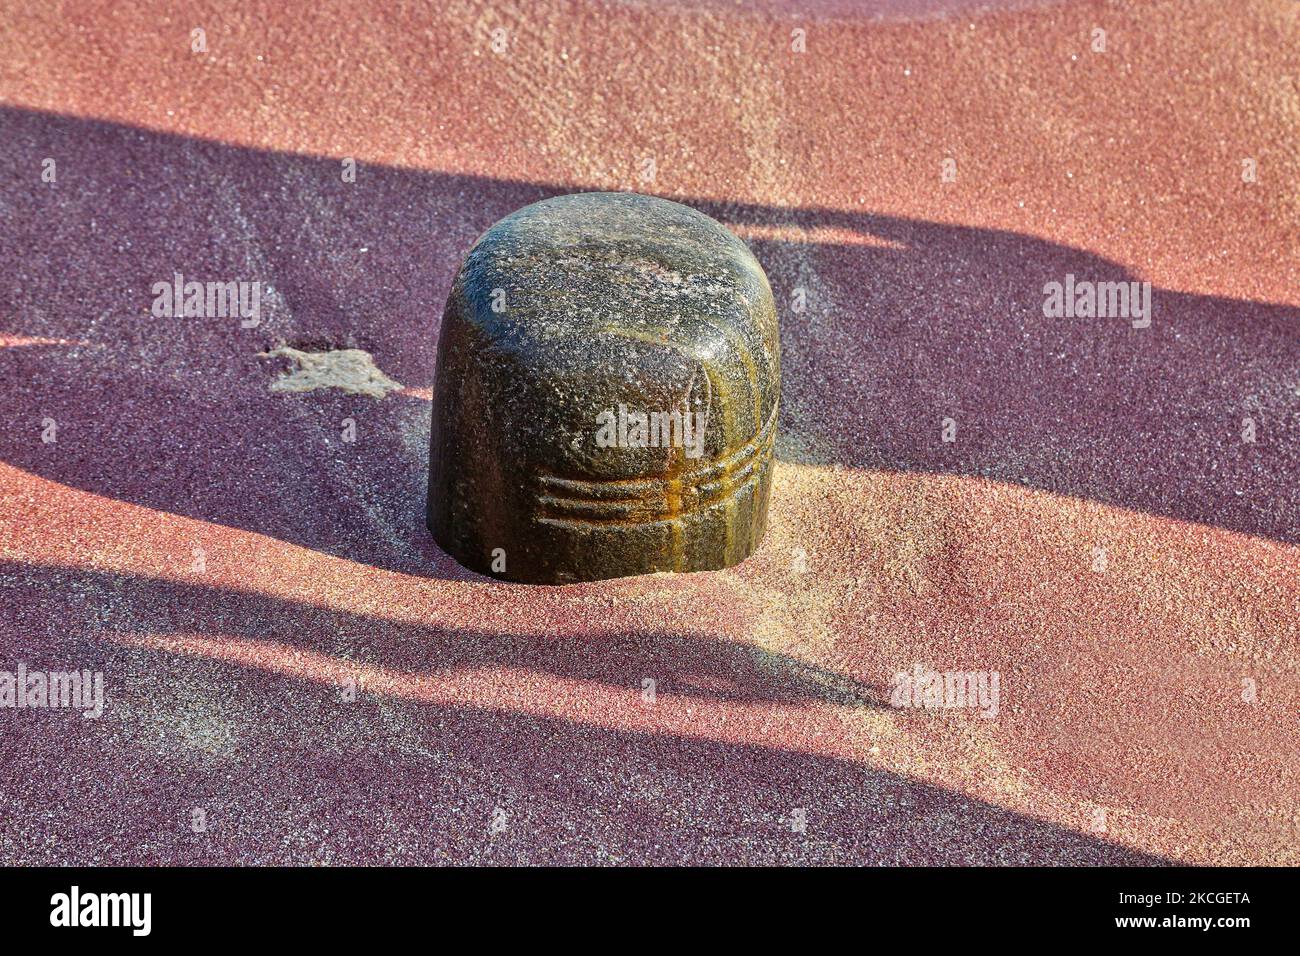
573 307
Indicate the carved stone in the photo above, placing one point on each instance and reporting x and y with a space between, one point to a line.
570 320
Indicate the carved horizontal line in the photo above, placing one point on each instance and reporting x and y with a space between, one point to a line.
687 497
653 516
614 490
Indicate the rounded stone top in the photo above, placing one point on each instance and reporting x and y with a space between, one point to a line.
588 310
562 281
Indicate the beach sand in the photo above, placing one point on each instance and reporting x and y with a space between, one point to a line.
295 673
